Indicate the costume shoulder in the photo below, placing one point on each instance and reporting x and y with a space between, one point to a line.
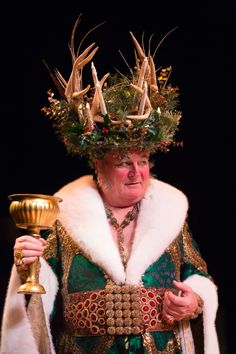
77 196
80 184
167 196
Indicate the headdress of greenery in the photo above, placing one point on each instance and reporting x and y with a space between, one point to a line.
118 112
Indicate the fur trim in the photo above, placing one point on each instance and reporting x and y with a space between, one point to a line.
16 332
50 283
83 215
154 231
17 336
205 288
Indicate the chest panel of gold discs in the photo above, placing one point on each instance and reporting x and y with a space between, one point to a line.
116 310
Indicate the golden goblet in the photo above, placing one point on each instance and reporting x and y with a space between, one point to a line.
33 212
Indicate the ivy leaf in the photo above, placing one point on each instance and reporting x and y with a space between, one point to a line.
107 121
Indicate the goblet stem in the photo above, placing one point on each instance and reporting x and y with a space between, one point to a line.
31 286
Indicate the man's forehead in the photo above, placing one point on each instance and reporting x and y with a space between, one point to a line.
119 156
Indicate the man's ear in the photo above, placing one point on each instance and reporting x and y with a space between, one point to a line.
96 165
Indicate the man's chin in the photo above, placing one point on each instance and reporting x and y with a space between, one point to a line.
134 194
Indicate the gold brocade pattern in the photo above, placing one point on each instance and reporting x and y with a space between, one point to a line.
36 315
67 344
171 348
191 254
67 242
174 251
103 344
50 249
149 343
68 250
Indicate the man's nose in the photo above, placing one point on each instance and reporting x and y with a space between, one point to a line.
134 170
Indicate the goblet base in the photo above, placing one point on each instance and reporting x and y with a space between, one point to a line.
31 288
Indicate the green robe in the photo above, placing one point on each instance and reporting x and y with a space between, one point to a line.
76 273
82 256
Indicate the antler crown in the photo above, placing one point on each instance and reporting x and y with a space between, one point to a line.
114 112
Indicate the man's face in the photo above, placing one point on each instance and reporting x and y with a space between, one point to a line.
123 181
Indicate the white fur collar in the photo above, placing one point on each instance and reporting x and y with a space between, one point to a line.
162 214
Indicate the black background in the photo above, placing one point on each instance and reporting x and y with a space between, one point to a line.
200 51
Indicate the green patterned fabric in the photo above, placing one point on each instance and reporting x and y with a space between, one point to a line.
84 276
161 273
135 345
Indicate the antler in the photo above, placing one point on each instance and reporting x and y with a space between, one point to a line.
147 73
153 78
140 52
96 102
144 106
74 82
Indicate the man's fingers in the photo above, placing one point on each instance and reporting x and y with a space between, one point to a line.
29 260
181 286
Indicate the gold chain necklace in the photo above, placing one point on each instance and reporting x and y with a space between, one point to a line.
131 215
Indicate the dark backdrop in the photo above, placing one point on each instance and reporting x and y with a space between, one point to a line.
200 51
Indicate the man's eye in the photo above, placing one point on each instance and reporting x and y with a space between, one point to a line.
123 164
143 162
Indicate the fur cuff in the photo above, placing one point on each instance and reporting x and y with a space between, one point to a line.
205 288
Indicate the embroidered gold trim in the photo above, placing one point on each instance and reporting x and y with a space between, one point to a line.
67 344
103 344
68 250
38 324
190 253
50 249
174 251
149 343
